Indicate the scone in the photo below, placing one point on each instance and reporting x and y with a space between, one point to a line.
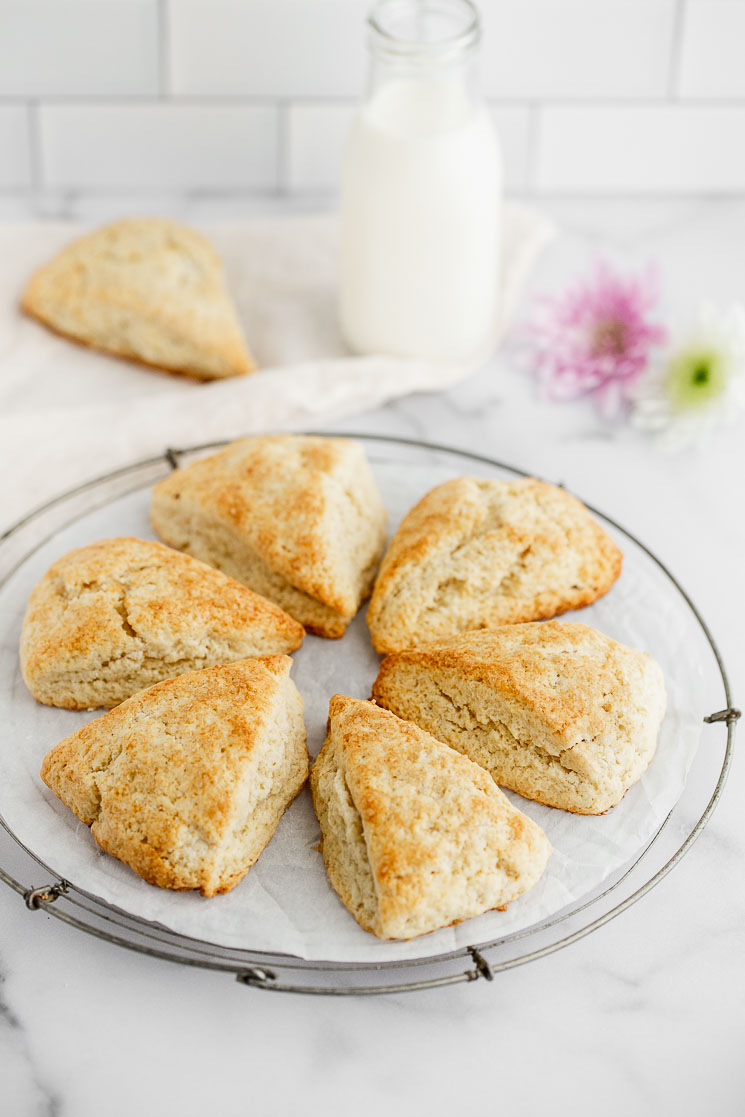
116 616
297 518
415 836
557 712
186 782
477 554
148 289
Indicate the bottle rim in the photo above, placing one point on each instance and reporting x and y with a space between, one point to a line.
384 39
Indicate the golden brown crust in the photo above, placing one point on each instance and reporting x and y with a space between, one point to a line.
145 289
298 518
186 782
415 836
202 378
557 712
477 554
113 617
522 662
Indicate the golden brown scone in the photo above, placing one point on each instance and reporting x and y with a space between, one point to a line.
557 712
186 782
415 836
476 554
297 518
148 289
116 616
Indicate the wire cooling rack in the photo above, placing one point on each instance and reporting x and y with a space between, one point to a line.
284 973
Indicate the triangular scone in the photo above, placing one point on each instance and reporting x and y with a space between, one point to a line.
415 836
557 712
148 289
186 782
477 554
116 616
297 518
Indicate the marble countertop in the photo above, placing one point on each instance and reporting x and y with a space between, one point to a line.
644 1016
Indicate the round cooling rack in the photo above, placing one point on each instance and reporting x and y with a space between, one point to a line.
43 888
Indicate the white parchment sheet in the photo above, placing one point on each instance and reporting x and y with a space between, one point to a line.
285 903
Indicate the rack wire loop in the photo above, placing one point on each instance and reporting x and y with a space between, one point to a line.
255 976
483 969
46 894
731 714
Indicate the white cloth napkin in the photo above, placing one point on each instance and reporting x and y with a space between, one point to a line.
68 413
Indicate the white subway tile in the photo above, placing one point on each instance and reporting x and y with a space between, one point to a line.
712 62
635 149
268 48
316 135
513 128
15 156
17 207
315 138
159 146
576 48
73 47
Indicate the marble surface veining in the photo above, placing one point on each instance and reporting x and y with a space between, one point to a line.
645 1016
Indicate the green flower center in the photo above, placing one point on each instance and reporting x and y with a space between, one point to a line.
695 377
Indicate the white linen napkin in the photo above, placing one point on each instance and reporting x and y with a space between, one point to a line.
68 413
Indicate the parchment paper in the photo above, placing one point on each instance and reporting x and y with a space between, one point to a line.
285 903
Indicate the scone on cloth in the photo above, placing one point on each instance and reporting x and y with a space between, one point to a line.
477 554
557 712
186 782
148 289
414 835
116 616
297 518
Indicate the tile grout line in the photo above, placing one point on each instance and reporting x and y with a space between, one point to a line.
676 52
534 134
164 51
35 152
729 194
83 100
282 128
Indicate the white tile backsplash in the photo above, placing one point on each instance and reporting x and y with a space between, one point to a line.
712 62
267 48
158 146
316 135
514 128
659 149
15 154
545 49
234 96
70 47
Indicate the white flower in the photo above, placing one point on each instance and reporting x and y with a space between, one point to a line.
701 385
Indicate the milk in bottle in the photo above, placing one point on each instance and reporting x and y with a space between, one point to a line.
421 190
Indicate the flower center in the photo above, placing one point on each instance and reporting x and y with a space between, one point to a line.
695 377
609 336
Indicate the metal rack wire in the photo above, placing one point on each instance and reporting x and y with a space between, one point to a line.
284 973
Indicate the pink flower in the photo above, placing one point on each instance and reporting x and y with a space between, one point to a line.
596 338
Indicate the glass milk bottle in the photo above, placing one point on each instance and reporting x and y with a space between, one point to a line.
421 191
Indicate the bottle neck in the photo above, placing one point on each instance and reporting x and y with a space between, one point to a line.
423 31
425 51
